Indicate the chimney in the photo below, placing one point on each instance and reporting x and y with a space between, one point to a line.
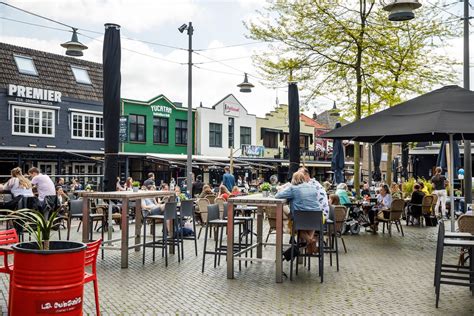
315 116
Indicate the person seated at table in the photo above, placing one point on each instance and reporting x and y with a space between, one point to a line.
341 192
118 185
235 191
223 192
180 196
384 201
424 189
75 185
414 206
150 206
395 189
128 184
206 190
63 199
301 196
334 200
365 190
18 184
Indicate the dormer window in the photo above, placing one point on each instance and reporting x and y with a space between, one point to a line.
81 75
25 65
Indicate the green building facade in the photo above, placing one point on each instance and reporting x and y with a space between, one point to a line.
156 126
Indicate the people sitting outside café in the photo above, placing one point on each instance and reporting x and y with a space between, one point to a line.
223 192
180 196
300 195
119 186
60 182
235 191
365 190
128 186
395 191
18 184
424 189
321 194
206 190
439 184
150 180
384 201
75 185
341 192
63 199
43 183
151 205
334 200
415 204
197 186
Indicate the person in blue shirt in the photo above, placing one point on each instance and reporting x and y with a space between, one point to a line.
302 197
341 192
228 180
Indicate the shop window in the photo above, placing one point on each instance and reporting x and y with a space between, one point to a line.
160 130
181 129
87 126
33 122
25 65
215 135
270 140
231 132
304 141
245 135
137 128
81 75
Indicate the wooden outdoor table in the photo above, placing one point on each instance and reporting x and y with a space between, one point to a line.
260 201
125 197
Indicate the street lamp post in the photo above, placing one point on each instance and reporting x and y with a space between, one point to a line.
467 143
190 140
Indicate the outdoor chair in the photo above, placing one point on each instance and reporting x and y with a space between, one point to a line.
449 273
187 212
465 225
92 251
395 215
170 215
308 220
271 216
202 211
7 238
75 211
211 198
424 208
220 202
336 218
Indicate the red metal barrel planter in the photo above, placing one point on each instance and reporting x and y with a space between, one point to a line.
46 282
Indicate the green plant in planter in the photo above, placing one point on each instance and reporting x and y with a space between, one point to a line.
35 223
135 184
407 187
265 186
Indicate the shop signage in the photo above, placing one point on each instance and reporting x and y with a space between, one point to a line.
161 110
231 109
253 151
34 93
123 129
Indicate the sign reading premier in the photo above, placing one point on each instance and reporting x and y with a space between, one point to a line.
34 93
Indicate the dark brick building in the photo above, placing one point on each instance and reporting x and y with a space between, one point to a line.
50 113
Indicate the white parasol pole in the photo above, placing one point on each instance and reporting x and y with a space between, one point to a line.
451 179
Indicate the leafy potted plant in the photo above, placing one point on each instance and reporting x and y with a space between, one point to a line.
265 188
48 276
135 186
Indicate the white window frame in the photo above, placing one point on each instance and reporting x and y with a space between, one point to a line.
83 114
89 83
28 108
15 56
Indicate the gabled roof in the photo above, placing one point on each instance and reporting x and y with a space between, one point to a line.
329 121
309 121
54 73
226 97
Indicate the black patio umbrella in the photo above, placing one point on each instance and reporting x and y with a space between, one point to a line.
377 157
405 152
294 128
111 56
445 114
337 161
442 162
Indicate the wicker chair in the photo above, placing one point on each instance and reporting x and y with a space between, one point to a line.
466 225
210 198
271 216
340 213
220 202
202 211
395 215
427 205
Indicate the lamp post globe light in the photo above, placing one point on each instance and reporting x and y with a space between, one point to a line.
401 10
74 47
246 86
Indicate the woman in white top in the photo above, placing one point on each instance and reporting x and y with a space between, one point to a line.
18 184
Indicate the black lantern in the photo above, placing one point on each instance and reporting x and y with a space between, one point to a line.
74 47
245 86
334 111
402 10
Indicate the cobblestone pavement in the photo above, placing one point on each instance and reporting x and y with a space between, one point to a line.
378 275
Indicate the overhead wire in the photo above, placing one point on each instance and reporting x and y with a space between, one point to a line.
34 24
229 46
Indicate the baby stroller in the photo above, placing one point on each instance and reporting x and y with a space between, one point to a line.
354 220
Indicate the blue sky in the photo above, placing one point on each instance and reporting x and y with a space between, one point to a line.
216 23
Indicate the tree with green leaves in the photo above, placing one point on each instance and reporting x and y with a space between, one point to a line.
344 49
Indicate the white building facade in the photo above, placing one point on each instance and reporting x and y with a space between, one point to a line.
225 125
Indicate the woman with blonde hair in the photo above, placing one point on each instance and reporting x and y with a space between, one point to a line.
395 189
206 190
18 184
223 192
